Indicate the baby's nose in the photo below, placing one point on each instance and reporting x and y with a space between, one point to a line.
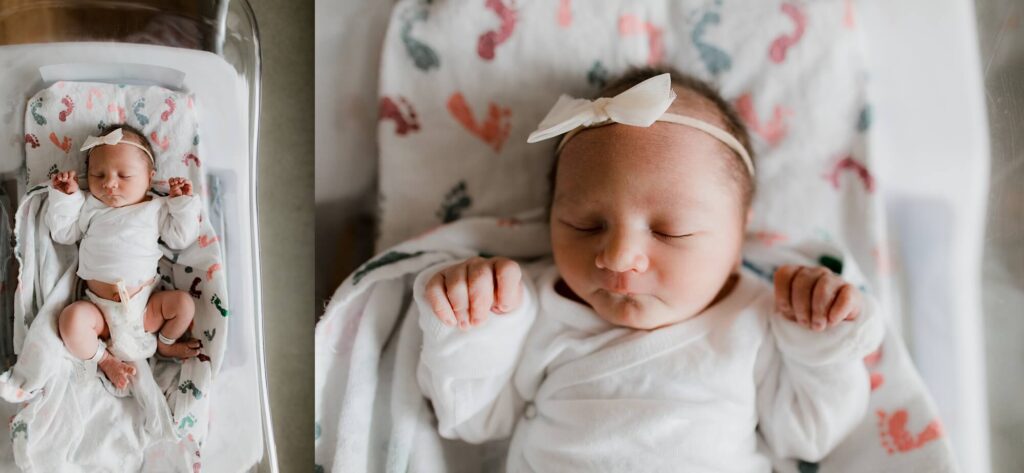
622 254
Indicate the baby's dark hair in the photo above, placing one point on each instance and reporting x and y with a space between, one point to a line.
737 169
128 131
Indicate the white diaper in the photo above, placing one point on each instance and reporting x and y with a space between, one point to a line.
129 340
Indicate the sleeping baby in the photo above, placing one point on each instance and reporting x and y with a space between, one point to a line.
644 345
121 224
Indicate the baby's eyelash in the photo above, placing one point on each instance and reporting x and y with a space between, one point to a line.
583 228
666 235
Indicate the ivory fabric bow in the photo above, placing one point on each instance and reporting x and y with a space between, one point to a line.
641 105
115 137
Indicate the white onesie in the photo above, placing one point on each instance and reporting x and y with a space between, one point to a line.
579 394
121 246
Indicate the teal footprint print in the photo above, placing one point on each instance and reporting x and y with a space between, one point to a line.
390 257
716 60
188 422
598 75
189 386
423 56
218 304
19 427
455 202
34 109
137 109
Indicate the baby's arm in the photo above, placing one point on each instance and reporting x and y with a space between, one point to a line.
179 222
65 206
467 373
813 387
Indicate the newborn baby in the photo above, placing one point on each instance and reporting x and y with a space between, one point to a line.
645 346
121 224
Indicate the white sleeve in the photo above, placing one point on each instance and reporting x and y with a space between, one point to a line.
468 375
62 215
179 221
813 387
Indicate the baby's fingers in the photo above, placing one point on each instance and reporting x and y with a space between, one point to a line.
801 290
825 292
846 306
438 300
481 290
509 285
458 293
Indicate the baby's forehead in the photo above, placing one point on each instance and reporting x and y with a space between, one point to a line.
691 103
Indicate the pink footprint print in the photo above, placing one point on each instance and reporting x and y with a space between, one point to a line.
119 111
632 25
493 131
849 164
489 41
166 115
191 158
32 140
64 144
403 115
848 18
895 437
871 361
565 13
778 49
209 272
769 238
69 106
205 240
93 93
163 144
774 130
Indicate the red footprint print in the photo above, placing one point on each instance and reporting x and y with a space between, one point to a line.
871 361
119 111
191 103
163 144
166 115
490 40
849 164
403 115
848 18
191 157
213 269
69 106
93 93
205 240
64 145
493 131
32 140
896 438
774 130
631 25
777 52
565 13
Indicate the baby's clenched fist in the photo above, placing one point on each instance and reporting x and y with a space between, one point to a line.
180 186
465 293
66 182
815 297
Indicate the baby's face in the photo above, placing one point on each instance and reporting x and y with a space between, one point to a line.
119 175
645 225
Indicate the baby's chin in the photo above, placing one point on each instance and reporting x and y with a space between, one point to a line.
635 311
118 200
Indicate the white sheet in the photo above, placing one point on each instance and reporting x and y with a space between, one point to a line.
223 114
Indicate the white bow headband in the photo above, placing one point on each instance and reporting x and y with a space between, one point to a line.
115 137
641 105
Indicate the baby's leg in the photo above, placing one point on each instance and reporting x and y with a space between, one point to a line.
169 313
80 325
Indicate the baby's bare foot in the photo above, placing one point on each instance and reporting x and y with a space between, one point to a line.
181 349
118 372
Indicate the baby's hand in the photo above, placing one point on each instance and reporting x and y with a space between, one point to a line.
66 182
815 296
180 186
463 294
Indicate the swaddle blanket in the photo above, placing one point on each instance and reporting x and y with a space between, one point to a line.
371 415
69 420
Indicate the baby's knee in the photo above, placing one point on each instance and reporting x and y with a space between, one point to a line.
184 306
77 317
